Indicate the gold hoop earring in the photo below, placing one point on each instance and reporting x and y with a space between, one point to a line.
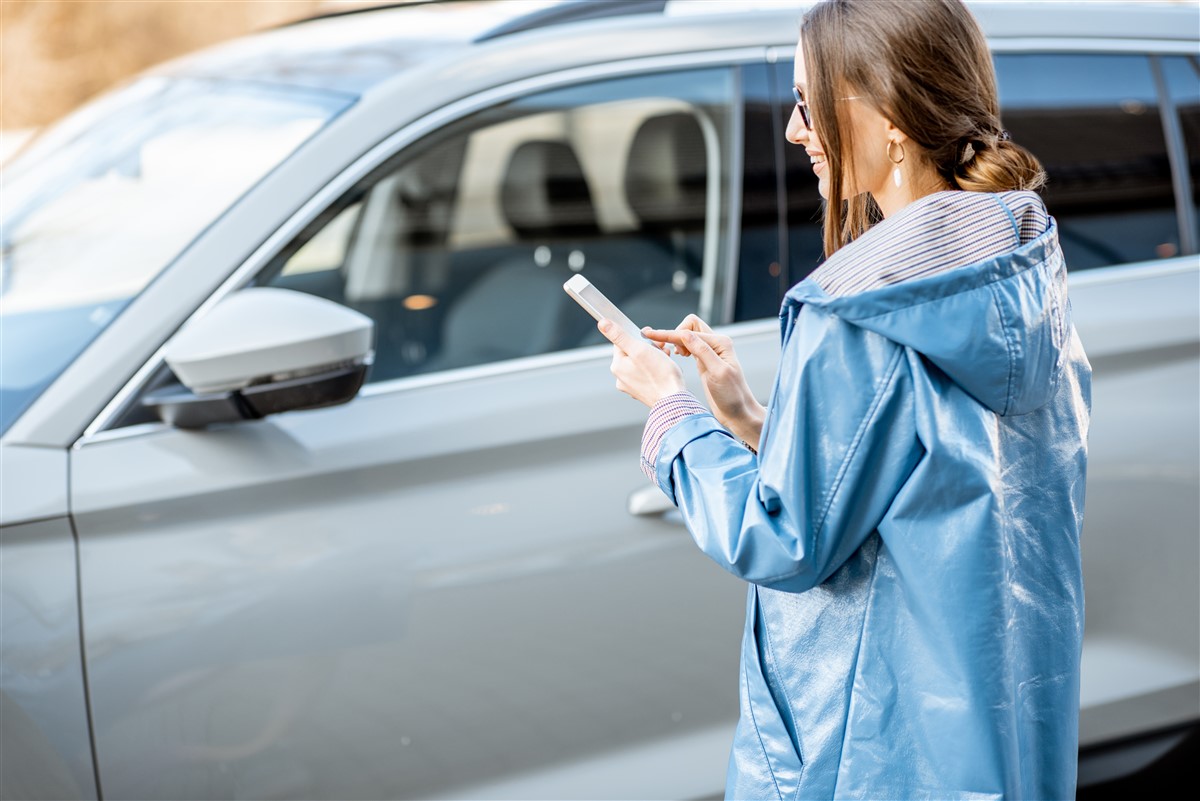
896 177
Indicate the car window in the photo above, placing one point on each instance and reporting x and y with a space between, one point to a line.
1093 120
459 247
1182 74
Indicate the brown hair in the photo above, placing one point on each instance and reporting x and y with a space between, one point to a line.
924 65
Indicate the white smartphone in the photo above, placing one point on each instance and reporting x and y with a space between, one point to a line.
596 304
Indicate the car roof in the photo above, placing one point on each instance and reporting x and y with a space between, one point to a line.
351 52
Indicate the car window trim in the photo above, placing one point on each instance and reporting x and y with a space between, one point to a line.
373 158
725 284
1177 157
1057 44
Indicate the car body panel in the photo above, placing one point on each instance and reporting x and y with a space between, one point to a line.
34 485
43 706
1139 327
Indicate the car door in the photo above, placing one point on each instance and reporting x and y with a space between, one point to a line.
1118 134
458 584
1109 127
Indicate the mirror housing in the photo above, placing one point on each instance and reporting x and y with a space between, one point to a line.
262 351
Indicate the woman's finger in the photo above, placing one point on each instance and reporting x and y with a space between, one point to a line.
679 338
705 354
618 336
675 337
693 323
662 345
664 338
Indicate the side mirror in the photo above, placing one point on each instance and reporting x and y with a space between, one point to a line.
261 351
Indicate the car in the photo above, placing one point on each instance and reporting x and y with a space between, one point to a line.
315 483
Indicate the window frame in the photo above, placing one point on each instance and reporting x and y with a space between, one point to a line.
460 148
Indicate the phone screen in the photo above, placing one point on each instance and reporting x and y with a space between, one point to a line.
599 306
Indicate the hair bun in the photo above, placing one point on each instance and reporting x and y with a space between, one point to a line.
1000 166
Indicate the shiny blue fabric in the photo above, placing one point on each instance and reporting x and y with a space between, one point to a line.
910 531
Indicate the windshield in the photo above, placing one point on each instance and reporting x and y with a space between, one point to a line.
101 203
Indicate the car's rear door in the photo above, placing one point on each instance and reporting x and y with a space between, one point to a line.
1116 130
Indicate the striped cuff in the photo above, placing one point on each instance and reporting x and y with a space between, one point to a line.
664 414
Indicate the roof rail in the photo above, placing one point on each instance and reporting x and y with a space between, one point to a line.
573 11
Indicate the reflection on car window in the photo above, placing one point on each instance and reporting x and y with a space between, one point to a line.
1093 121
459 248
104 201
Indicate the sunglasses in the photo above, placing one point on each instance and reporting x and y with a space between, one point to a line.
802 106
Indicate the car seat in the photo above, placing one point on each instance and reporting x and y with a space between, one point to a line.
518 307
666 188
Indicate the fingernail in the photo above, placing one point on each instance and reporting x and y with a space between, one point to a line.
605 325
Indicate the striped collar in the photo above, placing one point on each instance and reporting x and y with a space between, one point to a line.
931 235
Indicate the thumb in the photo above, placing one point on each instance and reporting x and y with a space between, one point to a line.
704 353
615 334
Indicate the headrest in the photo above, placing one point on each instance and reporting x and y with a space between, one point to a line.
665 175
545 192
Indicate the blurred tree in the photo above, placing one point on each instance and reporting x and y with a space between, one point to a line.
55 54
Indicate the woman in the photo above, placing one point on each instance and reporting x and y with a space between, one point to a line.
907 507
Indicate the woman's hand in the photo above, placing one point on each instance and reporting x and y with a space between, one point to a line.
643 372
729 396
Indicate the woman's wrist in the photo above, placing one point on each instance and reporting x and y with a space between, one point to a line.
667 391
748 426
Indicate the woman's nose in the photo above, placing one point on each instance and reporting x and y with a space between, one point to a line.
796 132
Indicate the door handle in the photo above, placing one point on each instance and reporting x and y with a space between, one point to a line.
651 502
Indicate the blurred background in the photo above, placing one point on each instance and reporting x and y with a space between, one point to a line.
56 54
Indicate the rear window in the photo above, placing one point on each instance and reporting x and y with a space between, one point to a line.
1094 122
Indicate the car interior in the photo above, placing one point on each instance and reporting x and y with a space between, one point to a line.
439 306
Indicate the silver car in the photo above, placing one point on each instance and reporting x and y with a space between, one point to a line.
315 484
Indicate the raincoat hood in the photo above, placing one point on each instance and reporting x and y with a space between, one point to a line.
997 328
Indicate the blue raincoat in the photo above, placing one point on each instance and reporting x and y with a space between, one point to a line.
910 531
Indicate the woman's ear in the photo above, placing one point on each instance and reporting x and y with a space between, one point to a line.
892 132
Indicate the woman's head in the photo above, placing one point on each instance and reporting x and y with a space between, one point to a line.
910 81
